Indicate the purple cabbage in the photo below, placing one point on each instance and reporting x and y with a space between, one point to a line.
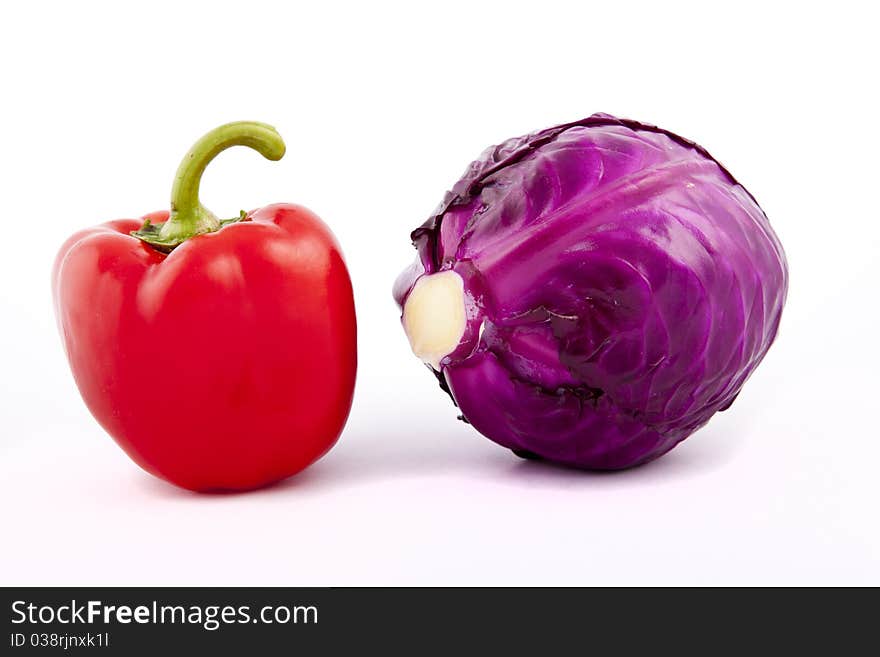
619 287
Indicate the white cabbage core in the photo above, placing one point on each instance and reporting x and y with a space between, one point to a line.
434 316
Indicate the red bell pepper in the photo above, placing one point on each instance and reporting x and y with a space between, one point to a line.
220 355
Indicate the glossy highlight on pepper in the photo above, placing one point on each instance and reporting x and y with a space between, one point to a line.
619 287
219 354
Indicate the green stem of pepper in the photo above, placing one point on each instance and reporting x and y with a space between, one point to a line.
188 216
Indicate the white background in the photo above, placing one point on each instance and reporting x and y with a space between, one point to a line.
382 106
